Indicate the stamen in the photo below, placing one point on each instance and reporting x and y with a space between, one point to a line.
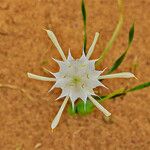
82 85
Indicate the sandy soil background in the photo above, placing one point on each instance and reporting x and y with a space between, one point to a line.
25 117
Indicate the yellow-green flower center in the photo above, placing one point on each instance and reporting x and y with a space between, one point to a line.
76 80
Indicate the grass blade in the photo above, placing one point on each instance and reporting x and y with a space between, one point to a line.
115 33
84 23
139 87
131 34
114 94
117 63
121 58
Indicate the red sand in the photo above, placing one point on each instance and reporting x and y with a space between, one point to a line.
24 46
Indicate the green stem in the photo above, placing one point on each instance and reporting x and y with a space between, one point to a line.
113 94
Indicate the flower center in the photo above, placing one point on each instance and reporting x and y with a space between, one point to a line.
76 80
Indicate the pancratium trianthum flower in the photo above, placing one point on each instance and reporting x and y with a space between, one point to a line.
77 78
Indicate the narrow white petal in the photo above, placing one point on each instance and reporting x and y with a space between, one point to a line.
57 117
33 76
47 71
62 64
83 57
103 70
93 83
93 45
65 92
52 88
61 96
101 84
70 56
99 106
56 85
118 75
55 42
58 61
58 75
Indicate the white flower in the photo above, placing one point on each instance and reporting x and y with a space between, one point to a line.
77 78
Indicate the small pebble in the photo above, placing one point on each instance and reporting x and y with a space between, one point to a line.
38 145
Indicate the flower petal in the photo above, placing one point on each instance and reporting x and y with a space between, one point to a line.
70 58
93 45
94 83
62 65
57 117
47 71
118 75
59 84
99 106
77 92
65 92
83 57
33 76
55 42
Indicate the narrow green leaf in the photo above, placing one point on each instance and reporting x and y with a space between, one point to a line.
84 23
83 12
139 87
131 34
115 33
114 94
118 62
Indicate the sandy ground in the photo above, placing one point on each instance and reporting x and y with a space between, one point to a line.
25 116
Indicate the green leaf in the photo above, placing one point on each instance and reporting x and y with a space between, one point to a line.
84 22
139 87
83 12
131 34
115 33
114 94
119 60
117 63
